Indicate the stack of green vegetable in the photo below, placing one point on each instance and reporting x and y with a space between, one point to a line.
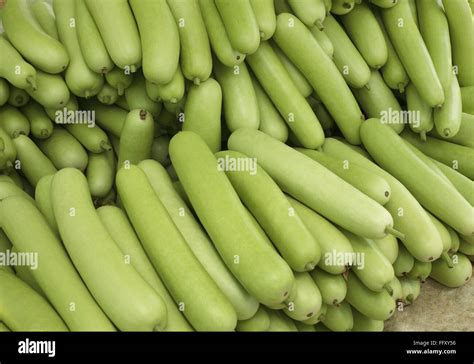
323 172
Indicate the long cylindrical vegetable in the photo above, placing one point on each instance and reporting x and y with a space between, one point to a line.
421 237
111 118
404 262
50 90
198 241
347 58
461 31
186 279
365 181
44 14
445 237
55 274
137 308
101 173
203 112
268 205
447 118
13 122
389 247
119 79
239 100
310 12
107 95
258 322
171 92
362 322
44 203
279 87
339 318
420 270
8 189
137 97
240 24
264 11
41 126
122 43
300 46
464 185
26 35
323 40
420 114
365 32
118 226
159 39
333 287
23 309
307 301
378 101
257 266
196 59
465 133
387 148
410 289
369 220
411 49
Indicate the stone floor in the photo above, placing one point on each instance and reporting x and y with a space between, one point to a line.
437 309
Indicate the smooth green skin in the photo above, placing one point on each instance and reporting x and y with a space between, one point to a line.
24 273
101 173
377 100
342 7
13 122
396 287
313 184
264 11
393 72
26 35
443 232
240 24
339 318
136 308
159 39
119 79
451 154
170 92
195 237
4 328
122 102
64 150
281 6
5 178
465 133
365 181
93 139
461 30
296 76
44 203
274 213
434 28
421 236
271 122
346 57
464 185
387 148
329 238
384 3
119 227
56 274
261 270
318 317
18 97
377 272
362 323
218 38
323 40
411 289
239 99
420 270
8 189
137 97
301 47
293 107
447 118
413 53
257 323
9 152
364 30
136 138
203 112
467 98
122 43
16 178
44 15
310 12
196 58
51 90
185 277
452 277
417 104
279 322
23 309
111 118
304 327
455 241
92 47
160 150
333 287
376 305
4 91
466 248
107 95
33 163
388 246
404 262
41 126
327 5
